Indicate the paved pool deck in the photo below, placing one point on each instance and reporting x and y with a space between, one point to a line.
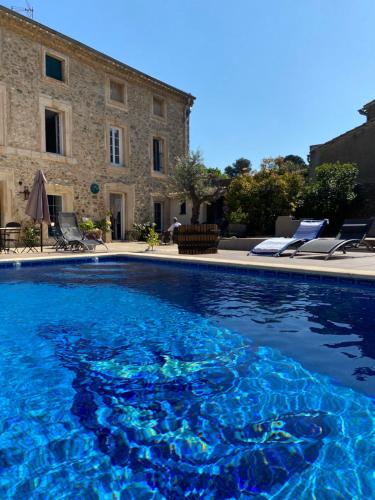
359 265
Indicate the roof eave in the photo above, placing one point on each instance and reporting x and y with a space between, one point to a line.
108 59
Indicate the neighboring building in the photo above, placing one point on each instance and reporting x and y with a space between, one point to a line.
105 134
355 146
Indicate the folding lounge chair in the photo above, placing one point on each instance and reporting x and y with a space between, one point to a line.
72 234
61 243
352 234
307 230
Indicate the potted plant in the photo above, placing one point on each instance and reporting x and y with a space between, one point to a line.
105 226
30 236
90 229
152 238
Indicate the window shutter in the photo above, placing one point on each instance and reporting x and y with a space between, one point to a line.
58 139
54 68
156 154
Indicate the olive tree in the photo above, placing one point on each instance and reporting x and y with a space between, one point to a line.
193 180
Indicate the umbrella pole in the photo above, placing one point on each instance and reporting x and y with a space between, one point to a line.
41 237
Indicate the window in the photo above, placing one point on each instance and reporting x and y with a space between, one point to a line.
158 154
158 216
158 107
115 146
183 208
55 207
116 91
54 68
53 132
56 126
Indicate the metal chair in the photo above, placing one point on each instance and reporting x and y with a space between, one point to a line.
11 237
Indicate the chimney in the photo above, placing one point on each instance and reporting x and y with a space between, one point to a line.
368 110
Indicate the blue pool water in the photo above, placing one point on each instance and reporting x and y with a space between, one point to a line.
124 380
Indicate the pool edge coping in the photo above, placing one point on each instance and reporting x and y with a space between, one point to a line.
269 268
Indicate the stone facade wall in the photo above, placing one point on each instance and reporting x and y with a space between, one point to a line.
87 115
356 146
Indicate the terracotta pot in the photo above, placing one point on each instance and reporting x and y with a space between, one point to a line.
95 234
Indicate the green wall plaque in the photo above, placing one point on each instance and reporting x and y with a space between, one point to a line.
94 188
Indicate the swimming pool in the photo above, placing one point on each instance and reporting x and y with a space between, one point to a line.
140 380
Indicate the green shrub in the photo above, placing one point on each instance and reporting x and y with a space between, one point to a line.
258 199
104 224
143 230
331 194
152 238
30 236
87 224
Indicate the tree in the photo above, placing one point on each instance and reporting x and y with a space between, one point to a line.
331 193
216 172
238 199
297 160
242 166
281 164
258 199
192 180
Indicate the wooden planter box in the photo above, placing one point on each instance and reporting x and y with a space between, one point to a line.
195 239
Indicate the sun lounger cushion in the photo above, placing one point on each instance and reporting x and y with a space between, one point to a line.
273 245
307 230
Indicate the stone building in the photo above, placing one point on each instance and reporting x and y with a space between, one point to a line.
355 146
105 134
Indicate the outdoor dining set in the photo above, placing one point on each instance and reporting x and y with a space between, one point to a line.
13 240
66 235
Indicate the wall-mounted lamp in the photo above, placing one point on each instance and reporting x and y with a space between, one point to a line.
25 192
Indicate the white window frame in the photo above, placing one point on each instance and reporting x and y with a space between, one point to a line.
112 146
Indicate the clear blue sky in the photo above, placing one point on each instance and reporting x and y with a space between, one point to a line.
270 76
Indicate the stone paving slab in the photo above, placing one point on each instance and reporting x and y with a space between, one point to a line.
353 264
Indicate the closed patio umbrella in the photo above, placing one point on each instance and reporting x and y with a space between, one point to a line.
37 206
